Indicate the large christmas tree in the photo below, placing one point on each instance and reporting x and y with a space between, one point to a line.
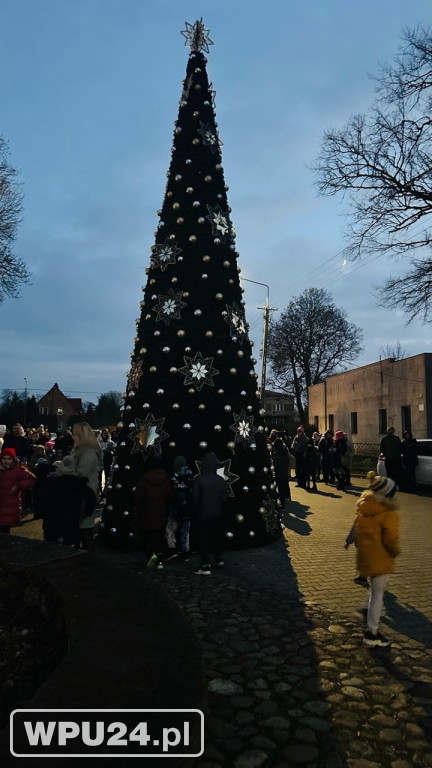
192 386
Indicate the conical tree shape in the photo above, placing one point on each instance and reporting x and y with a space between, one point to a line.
192 386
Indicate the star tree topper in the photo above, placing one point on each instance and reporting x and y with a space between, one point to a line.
197 36
198 371
169 306
147 435
224 471
243 427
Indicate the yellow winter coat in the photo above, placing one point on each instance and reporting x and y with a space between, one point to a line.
376 534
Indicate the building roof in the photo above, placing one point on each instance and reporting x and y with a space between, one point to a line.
55 391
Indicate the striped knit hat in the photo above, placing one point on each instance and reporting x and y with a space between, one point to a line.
383 485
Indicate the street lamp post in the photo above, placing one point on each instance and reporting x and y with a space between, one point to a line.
267 309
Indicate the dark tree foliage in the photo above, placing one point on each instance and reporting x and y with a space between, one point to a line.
311 340
15 408
108 408
13 271
192 387
383 162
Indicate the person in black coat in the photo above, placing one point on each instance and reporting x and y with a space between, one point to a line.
391 447
209 493
282 470
409 460
326 450
65 497
17 441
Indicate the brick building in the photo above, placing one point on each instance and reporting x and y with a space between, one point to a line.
279 410
365 401
55 403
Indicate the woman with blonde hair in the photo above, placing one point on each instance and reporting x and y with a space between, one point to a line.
86 457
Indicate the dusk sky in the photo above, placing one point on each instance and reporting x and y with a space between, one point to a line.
89 94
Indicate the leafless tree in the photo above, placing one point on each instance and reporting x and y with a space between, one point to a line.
383 162
311 340
397 351
13 270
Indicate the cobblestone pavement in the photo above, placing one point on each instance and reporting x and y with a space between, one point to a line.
289 681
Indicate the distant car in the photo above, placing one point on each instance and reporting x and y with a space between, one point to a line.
424 467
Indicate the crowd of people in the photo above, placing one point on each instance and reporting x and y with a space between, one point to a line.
327 457
57 477
398 459
173 509
61 480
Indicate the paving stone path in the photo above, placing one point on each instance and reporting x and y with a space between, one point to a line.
289 681
291 685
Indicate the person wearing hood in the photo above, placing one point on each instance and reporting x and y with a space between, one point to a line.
377 543
210 491
151 496
181 508
14 479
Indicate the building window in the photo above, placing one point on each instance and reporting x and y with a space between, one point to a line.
43 411
354 428
406 417
277 407
331 421
382 421
316 423
59 411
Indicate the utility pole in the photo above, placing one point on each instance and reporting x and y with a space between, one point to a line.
267 309
25 403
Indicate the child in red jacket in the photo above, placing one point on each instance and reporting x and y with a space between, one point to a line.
13 480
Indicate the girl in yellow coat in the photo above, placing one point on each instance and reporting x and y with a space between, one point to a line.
377 542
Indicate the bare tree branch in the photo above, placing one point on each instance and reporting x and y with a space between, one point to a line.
13 270
382 163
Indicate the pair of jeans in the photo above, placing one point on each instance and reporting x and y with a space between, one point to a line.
377 586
